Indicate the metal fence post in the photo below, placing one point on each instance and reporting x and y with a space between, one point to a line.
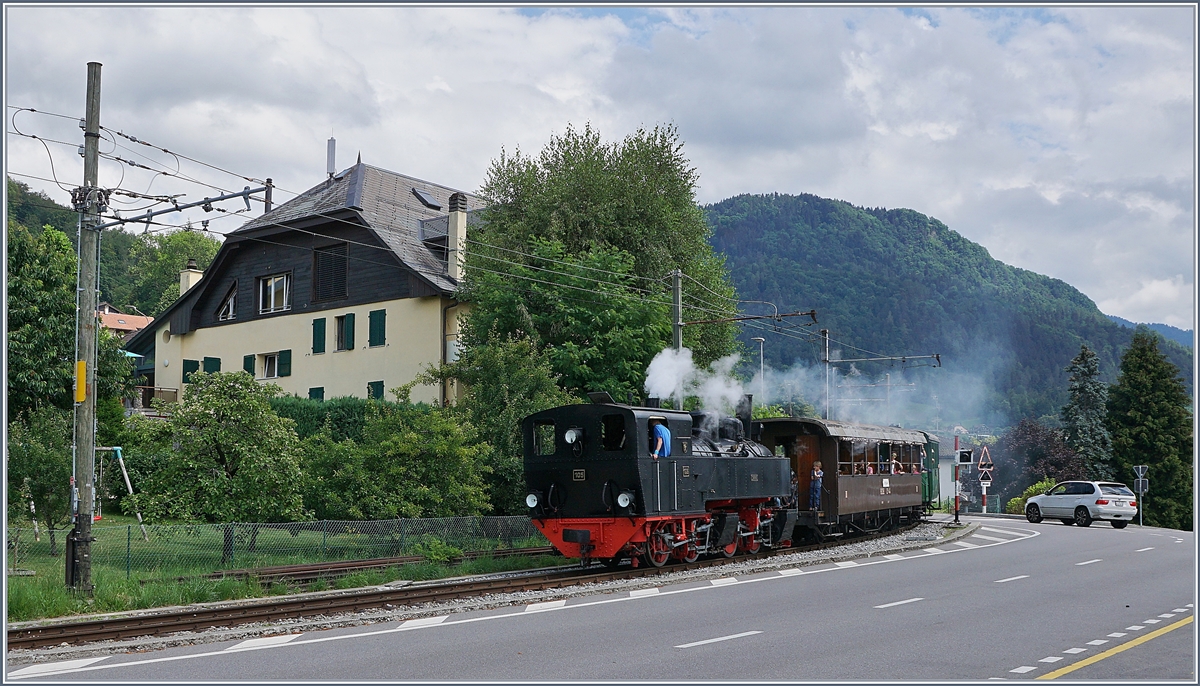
401 536
128 549
324 536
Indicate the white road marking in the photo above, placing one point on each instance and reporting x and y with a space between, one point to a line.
1000 531
1075 651
1166 615
1142 550
1011 578
964 544
1135 627
726 581
894 556
1151 621
1098 642
1189 604
1117 634
1179 609
716 640
434 621
993 538
1022 670
1080 564
898 602
265 641
643 592
424 621
55 667
932 551
548 605
846 563
1050 659
791 572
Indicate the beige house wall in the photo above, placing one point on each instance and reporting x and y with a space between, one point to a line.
414 339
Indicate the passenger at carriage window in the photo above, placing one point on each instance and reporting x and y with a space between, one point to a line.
660 439
870 468
916 469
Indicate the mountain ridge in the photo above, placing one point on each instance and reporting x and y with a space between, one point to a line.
902 283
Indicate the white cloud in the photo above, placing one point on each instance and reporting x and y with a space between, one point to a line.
1061 139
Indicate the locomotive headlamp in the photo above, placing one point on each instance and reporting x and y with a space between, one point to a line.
573 436
625 499
531 500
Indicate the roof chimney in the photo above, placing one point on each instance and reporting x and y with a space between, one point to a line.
456 235
330 168
190 276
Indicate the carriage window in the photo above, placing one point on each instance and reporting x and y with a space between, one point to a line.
543 438
613 436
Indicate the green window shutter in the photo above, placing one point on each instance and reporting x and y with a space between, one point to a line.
375 390
248 363
190 366
212 364
375 327
317 393
285 363
318 336
348 327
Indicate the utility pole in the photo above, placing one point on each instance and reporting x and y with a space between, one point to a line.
825 335
88 202
677 315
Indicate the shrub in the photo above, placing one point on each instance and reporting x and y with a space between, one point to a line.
1017 505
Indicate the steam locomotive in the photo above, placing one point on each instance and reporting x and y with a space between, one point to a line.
596 491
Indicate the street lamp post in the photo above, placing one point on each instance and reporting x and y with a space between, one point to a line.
762 370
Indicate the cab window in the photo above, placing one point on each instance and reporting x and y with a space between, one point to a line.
613 431
543 438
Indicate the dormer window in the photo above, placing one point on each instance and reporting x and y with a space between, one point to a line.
228 309
274 293
427 199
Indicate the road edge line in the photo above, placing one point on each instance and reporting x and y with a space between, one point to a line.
1113 651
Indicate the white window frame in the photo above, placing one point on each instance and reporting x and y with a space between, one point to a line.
267 292
270 366
228 311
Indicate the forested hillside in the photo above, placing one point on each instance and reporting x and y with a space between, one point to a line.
899 282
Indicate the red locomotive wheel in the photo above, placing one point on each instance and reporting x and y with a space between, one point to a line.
730 550
690 554
752 544
658 546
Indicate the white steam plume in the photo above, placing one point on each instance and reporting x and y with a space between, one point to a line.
672 374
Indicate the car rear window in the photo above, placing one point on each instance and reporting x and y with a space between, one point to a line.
1115 489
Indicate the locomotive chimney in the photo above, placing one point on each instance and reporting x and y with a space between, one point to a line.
652 402
745 411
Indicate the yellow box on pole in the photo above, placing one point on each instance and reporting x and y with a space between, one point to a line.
80 381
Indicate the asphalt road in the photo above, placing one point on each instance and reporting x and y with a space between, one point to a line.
1013 601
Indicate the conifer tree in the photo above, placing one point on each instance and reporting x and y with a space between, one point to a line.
1083 416
1150 420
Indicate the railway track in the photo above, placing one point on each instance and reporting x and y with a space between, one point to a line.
308 573
271 609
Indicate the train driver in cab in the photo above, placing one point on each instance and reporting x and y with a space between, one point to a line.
660 439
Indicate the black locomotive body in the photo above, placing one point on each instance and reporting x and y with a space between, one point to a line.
596 491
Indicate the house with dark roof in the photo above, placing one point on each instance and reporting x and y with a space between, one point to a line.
348 289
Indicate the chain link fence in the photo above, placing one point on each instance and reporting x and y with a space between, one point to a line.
171 551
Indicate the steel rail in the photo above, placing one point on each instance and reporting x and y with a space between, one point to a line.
270 609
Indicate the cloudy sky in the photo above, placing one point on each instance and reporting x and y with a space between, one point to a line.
1060 139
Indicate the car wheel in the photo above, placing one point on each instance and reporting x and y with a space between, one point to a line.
1118 525
1068 522
1082 516
1034 514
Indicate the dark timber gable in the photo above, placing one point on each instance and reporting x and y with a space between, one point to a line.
392 250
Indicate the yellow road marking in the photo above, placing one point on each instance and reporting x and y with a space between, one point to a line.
1113 651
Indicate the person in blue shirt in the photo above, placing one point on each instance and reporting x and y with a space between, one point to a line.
660 439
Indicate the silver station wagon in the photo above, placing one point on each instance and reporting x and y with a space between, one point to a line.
1082 502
